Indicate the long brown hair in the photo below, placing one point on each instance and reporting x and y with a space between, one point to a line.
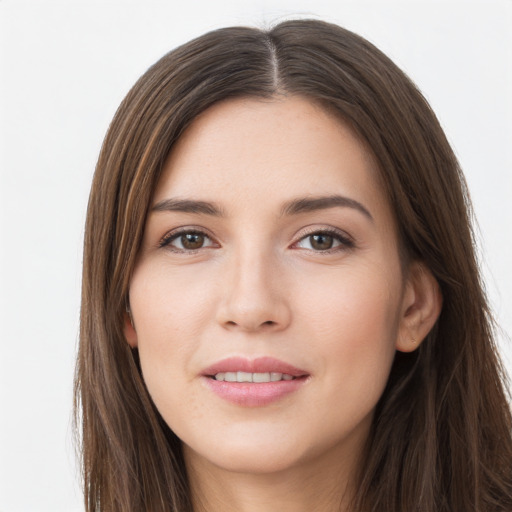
441 438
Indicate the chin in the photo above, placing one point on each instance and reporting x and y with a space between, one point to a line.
247 455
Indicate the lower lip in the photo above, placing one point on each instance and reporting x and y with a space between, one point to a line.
249 394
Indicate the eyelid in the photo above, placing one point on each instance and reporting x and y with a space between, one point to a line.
171 235
345 239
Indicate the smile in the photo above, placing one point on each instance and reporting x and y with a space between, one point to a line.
253 383
252 377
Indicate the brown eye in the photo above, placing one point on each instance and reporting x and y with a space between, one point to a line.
187 241
192 241
321 242
326 241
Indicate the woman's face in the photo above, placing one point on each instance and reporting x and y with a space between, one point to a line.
270 250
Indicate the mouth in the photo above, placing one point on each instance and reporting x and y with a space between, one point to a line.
252 377
253 383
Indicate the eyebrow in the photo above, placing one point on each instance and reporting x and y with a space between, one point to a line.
310 204
188 206
293 207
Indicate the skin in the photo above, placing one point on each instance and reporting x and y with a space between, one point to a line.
259 287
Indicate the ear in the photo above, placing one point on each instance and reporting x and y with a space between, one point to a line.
421 306
129 329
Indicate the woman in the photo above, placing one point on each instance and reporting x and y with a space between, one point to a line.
281 304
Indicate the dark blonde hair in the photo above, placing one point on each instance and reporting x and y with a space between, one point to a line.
441 438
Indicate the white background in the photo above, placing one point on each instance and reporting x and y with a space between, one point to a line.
64 68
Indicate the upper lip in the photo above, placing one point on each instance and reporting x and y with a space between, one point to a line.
259 365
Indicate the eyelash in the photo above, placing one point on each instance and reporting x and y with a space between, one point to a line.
174 235
345 242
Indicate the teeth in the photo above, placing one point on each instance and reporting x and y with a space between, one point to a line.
261 377
252 377
243 377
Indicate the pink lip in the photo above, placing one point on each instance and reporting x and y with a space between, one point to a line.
259 365
253 394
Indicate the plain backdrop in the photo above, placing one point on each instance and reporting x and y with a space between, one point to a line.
64 68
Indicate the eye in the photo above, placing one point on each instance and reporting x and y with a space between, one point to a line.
185 241
325 240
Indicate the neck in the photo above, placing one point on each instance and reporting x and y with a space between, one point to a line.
320 485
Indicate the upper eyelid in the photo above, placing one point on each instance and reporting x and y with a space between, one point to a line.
175 233
345 240
300 235
329 230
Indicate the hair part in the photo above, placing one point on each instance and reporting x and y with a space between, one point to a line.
441 439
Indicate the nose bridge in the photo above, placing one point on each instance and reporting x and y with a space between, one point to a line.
253 297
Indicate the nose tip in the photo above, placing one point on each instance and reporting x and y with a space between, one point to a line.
253 301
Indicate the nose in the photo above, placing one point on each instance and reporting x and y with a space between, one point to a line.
254 295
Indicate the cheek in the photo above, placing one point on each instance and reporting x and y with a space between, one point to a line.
353 300
354 317
170 311
168 306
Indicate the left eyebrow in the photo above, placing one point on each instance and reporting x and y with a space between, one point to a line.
310 204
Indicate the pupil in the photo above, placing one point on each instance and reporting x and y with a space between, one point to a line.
321 242
192 240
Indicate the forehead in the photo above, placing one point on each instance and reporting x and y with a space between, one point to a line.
266 151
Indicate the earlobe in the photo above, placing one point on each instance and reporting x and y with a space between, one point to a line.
129 331
421 307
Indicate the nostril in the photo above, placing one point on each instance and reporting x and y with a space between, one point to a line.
256 326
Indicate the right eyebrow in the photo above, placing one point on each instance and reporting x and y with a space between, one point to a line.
188 206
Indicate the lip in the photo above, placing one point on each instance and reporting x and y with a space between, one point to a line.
247 394
259 365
